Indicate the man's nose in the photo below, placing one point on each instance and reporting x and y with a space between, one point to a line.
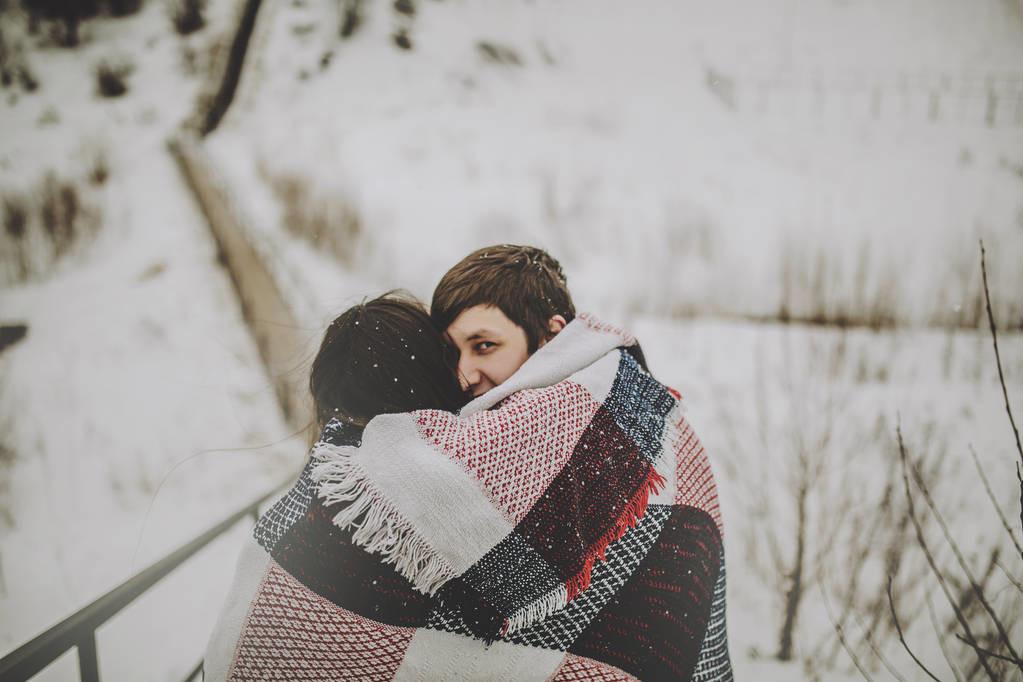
468 375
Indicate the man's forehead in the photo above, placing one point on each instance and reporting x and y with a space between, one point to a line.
478 321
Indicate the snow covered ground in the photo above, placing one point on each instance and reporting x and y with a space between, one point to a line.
761 394
136 412
690 164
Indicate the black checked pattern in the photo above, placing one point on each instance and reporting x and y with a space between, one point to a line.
284 513
560 630
714 664
639 404
287 511
512 575
339 433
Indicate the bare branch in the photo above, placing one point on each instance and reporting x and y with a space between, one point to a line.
794 593
893 555
840 632
941 639
877 652
994 502
776 558
898 628
1017 584
978 591
987 652
861 545
942 582
1001 375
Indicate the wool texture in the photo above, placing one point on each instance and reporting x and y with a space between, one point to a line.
564 526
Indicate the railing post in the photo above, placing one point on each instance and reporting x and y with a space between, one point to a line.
79 629
88 666
196 673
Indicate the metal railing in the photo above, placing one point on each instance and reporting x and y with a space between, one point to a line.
79 629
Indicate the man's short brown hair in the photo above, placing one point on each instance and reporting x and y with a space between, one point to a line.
526 283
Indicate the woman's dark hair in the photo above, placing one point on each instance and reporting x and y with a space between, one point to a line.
383 356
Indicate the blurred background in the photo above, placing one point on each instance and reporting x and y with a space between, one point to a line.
783 200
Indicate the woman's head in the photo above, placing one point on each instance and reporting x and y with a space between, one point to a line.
383 356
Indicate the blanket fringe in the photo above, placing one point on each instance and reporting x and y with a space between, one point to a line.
379 527
634 510
534 612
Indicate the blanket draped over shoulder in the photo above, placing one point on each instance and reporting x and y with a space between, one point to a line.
563 526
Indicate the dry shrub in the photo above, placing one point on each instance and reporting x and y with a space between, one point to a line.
98 167
112 77
820 285
498 54
123 8
15 71
401 39
58 213
43 226
351 18
205 58
59 21
815 288
404 17
187 16
872 540
16 217
331 223
816 475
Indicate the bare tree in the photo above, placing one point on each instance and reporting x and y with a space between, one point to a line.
983 619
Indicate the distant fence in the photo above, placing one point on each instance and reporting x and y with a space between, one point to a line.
989 100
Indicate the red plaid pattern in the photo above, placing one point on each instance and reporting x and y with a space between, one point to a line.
515 452
292 633
579 669
696 486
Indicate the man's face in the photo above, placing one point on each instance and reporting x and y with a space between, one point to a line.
491 347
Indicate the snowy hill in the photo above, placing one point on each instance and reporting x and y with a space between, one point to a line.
718 158
696 167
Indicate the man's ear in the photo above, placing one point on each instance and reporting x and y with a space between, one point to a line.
556 324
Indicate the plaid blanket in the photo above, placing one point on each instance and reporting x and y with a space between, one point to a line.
564 526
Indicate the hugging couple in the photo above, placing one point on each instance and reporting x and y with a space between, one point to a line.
500 491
